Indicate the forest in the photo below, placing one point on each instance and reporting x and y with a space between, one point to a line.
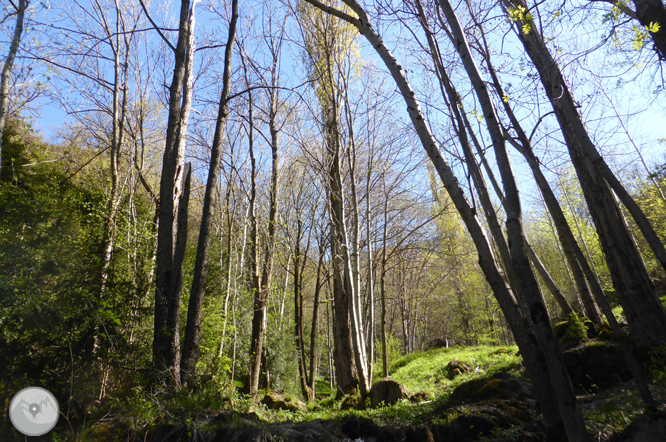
344 220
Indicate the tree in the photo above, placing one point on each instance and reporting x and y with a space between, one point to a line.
173 183
7 67
195 310
644 312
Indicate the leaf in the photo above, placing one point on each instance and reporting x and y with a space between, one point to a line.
653 27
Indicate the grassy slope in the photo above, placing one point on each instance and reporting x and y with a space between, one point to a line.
425 371
419 372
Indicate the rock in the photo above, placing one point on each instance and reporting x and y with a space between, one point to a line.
496 387
421 396
276 401
437 343
455 368
646 429
387 391
596 366
236 434
481 407
317 430
419 434
361 428
501 351
349 403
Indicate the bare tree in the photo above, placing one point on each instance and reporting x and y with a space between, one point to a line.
7 67
170 254
195 310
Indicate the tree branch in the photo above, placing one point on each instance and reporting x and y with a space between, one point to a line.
159 31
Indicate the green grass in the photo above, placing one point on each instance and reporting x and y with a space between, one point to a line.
418 372
425 371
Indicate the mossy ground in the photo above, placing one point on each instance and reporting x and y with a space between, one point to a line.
605 413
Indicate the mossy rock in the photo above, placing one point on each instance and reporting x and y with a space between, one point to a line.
595 367
483 406
421 396
350 403
497 387
276 401
501 351
387 391
456 368
604 332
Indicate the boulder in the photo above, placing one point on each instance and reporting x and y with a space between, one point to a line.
366 430
455 368
421 396
437 343
498 387
645 429
387 391
276 401
481 407
349 403
595 366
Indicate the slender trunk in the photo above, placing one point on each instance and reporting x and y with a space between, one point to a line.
371 282
7 68
382 292
526 340
554 290
117 132
313 329
344 365
165 331
173 312
642 308
298 316
261 295
191 348
528 287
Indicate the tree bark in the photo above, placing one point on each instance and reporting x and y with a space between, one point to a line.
191 349
261 295
167 297
649 12
564 232
644 312
534 360
7 67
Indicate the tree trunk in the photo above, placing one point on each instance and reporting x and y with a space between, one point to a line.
649 12
165 332
313 329
644 312
261 295
532 355
7 67
191 348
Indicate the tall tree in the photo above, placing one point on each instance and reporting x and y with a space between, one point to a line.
7 66
260 287
195 309
644 312
170 254
556 405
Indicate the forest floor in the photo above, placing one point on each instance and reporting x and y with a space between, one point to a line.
488 399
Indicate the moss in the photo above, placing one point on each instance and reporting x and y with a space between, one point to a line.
576 331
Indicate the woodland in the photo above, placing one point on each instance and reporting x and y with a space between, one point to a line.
211 207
